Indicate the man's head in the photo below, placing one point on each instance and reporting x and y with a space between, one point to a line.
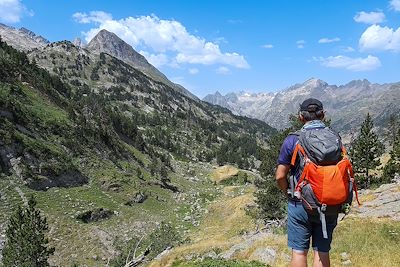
311 109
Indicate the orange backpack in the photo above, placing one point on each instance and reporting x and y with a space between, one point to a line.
327 178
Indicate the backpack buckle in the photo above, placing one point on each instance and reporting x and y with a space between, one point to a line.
323 207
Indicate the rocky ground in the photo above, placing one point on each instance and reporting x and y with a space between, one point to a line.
383 202
267 245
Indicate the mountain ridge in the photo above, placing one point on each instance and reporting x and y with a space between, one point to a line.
104 42
346 104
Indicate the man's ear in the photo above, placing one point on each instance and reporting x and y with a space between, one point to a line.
301 117
323 114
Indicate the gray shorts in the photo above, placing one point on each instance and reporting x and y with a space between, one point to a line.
302 227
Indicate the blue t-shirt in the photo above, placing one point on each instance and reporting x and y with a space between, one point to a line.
286 153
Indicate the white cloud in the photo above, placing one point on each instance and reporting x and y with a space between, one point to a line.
369 18
380 38
93 16
223 70
268 46
193 71
300 44
162 38
348 63
348 49
327 40
395 4
11 11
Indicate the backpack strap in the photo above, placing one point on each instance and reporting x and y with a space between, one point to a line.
321 211
351 174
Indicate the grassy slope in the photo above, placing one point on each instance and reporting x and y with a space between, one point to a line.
77 242
369 242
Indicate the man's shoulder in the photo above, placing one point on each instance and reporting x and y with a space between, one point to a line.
290 141
291 138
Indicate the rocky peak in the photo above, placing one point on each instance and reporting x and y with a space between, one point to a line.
77 42
110 43
22 39
314 82
358 83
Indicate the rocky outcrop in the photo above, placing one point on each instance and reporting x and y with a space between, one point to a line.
138 198
69 178
95 215
383 202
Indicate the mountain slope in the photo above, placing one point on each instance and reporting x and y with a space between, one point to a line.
346 105
94 135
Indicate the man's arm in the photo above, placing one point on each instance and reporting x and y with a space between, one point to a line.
281 177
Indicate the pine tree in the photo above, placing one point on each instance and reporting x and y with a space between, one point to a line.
393 165
26 244
365 151
393 128
269 198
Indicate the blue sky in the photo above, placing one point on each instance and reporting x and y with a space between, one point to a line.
223 45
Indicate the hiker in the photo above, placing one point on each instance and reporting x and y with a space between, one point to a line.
308 218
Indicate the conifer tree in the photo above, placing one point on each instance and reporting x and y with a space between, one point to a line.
269 198
26 243
393 165
393 128
365 151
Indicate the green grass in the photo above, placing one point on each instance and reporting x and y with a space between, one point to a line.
370 242
78 242
42 108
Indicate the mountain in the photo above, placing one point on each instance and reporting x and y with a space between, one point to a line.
22 38
160 113
109 152
346 105
110 43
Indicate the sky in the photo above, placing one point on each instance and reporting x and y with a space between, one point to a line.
234 45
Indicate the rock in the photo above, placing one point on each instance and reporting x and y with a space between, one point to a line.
139 197
187 218
243 246
71 178
95 215
344 256
265 255
346 263
113 187
210 255
163 253
385 203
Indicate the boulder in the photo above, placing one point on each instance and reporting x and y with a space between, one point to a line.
95 215
139 197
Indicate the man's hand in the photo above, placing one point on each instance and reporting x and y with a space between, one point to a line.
281 177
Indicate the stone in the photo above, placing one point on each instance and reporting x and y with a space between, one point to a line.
264 255
344 256
346 263
139 197
95 215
